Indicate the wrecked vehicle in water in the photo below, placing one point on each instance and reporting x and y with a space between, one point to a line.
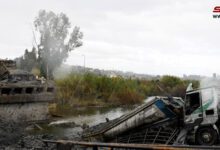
23 97
157 121
166 120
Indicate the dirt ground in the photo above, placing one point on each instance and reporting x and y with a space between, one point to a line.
15 136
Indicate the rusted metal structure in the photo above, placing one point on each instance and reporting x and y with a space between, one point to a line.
22 96
76 145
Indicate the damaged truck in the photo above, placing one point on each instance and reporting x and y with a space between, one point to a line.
166 120
201 115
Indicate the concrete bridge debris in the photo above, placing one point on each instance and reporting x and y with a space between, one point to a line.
22 96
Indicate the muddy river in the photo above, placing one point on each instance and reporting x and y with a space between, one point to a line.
80 116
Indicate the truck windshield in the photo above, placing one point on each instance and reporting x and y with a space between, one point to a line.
192 102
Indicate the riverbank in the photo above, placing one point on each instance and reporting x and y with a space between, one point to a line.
68 126
94 90
23 136
80 90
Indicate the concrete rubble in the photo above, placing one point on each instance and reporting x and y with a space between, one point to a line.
18 136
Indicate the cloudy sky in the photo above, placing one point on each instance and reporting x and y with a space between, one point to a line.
144 36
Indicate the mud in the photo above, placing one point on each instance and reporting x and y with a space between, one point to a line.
17 136
10 132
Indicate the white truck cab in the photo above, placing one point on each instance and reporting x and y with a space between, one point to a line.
201 113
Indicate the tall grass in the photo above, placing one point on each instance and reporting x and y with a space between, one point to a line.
90 89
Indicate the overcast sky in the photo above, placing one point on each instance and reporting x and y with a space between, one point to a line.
144 36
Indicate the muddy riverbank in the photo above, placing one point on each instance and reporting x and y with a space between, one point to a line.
31 136
68 127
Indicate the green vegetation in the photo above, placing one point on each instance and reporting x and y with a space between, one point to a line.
94 90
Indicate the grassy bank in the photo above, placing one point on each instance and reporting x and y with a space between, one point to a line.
94 90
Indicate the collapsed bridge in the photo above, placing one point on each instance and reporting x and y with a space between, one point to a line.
23 97
158 121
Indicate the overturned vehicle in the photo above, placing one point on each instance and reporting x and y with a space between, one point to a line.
157 121
23 97
166 120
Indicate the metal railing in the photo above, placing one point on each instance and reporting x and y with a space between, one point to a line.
69 145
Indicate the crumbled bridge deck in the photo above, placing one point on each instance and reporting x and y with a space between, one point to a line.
23 97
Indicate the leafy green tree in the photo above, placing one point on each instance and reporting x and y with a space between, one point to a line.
56 40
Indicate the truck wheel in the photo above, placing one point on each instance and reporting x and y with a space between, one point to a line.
206 136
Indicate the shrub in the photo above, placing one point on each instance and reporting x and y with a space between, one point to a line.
90 88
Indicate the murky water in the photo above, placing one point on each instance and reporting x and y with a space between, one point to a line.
86 115
92 115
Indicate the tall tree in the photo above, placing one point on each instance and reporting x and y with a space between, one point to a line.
56 40
28 61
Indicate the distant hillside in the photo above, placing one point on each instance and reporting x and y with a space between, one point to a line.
66 69
114 73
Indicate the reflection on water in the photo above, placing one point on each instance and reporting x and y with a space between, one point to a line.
92 115
87 115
